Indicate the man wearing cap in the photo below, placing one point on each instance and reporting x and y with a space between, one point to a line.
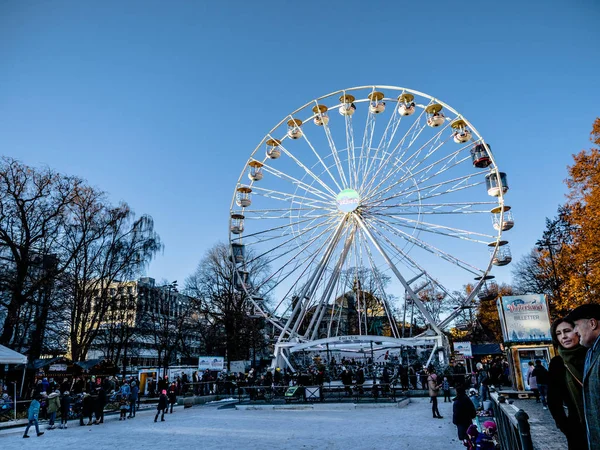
587 326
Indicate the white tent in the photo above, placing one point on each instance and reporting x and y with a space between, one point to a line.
8 356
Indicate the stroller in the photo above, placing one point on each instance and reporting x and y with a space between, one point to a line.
76 407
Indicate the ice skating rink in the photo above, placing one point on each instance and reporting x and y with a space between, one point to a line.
208 427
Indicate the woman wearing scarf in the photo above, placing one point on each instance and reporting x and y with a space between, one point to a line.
565 387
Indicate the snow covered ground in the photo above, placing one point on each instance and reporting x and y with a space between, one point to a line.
208 427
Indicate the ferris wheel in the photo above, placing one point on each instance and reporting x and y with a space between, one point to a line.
360 197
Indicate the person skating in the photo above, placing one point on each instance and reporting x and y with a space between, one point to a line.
162 406
32 415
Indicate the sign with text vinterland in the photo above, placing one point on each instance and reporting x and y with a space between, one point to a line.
524 318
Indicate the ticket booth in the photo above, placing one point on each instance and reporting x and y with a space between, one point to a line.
519 358
526 331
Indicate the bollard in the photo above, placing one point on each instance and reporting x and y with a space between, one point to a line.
524 430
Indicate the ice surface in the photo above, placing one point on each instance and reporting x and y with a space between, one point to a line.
208 427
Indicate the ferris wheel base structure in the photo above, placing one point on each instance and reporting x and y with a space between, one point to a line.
334 215
359 345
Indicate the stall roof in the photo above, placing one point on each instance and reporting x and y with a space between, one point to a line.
486 349
8 356
90 363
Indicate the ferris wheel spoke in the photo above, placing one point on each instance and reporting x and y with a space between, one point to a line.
302 185
352 170
307 231
412 134
428 191
334 152
439 229
325 167
367 141
433 208
296 260
411 176
431 248
320 309
308 171
384 300
373 169
396 272
278 228
398 168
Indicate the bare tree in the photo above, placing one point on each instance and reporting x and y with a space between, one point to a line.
115 246
225 307
33 207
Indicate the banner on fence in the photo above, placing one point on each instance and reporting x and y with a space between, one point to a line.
211 363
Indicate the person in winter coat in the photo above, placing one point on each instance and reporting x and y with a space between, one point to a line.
53 408
172 395
566 384
463 412
65 407
587 325
162 406
434 388
100 404
360 380
486 439
32 415
531 381
347 381
133 398
87 408
542 379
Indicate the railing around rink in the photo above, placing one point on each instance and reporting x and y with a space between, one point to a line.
512 423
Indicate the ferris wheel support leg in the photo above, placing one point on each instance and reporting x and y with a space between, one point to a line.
281 360
417 301
320 312
311 285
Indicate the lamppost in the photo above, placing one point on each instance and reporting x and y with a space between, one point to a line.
171 287
549 244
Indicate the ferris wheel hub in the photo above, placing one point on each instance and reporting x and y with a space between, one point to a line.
347 200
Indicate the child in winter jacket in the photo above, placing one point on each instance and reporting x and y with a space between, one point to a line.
123 406
32 416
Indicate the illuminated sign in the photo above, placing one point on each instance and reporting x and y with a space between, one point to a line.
347 200
524 318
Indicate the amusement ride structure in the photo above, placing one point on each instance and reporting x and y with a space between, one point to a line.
356 198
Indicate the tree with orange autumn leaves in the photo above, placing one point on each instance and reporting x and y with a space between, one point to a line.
565 263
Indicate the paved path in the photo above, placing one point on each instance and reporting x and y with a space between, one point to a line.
544 433
207 427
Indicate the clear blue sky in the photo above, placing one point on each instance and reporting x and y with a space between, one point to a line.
161 103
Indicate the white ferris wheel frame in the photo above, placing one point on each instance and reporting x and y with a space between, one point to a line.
288 337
